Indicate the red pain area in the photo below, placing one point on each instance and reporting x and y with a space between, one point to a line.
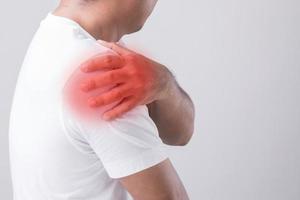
76 99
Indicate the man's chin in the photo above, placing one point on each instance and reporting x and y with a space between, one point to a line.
136 29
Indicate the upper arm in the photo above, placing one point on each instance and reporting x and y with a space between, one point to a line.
159 182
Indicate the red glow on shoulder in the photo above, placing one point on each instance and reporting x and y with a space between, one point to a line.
77 100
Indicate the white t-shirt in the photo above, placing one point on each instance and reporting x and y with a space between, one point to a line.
55 154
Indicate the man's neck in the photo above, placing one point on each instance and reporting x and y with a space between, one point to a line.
97 22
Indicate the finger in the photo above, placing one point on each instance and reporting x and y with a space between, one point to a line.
105 79
116 48
102 62
124 106
117 93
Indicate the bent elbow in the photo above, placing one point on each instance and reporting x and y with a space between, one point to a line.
179 138
187 136
184 138
184 141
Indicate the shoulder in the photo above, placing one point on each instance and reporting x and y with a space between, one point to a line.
74 98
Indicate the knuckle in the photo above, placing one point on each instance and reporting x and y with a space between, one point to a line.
133 71
117 94
139 85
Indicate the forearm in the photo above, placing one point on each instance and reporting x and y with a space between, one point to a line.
173 115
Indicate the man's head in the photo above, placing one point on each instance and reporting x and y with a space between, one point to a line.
127 16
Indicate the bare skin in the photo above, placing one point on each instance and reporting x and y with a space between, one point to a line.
159 182
109 20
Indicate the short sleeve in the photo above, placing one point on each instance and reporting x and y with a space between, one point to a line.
126 145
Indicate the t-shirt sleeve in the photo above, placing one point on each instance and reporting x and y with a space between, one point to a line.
126 145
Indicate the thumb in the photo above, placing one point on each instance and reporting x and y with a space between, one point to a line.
115 47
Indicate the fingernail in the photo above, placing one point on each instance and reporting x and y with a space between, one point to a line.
92 102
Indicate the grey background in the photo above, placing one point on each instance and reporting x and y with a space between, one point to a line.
240 62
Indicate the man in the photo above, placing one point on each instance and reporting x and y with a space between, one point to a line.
59 146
